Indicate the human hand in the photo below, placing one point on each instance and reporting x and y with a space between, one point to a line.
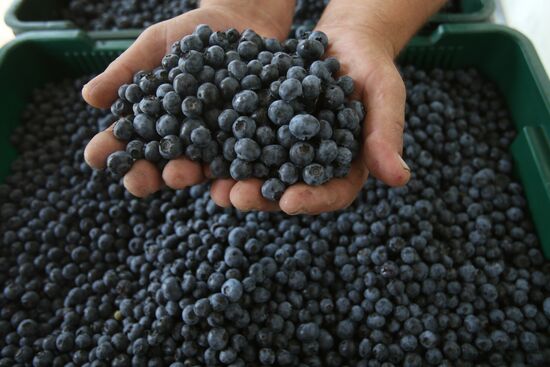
267 18
368 59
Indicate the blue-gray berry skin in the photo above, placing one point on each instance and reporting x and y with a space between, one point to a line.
187 128
265 57
247 50
237 69
219 167
304 127
209 152
193 62
310 49
229 86
201 136
214 56
191 42
151 151
285 137
273 45
193 152
240 170
282 61
274 155
163 89
203 31
226 119
327 152
273 189
251 82
119 163
319 36
245 102
260 170
265 135
136 149
123 129
288 174
171 103
208 94
346 83
301 154
311 86
348 119
290 89
280 112
170 147
185 85
228 149
325 129
333 97
318 68
232 289
269 73
133 93
191 107
145 127
254 67
244 127
344 138
296 72
247 149
314 174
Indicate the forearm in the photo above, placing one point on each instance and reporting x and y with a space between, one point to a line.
280 11
395 21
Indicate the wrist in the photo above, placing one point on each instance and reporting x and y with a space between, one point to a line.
389 23
275 14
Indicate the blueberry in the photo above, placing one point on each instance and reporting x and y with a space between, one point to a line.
247 149
191 107
167 125
208 94
265 135
333 97
304 127
311 86
301 154
214 56
152 151
245 102
247 50
119 163
228 88
219 167
280 112
244 127
201 136
319 36
252 82
172 103
288 173
229 149
344 156
193 62
346 83
170 147
273 189
123 129
273 155
240 170
232 289
285 137
185 85
136 149
348 119
237 69
203 31
290 89
191 42
133 93
310 49
314 174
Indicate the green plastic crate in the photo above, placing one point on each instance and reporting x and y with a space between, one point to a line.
45 15
471 11
42 15
502 54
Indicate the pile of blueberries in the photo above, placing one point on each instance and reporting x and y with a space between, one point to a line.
245 105
102 15
445 271
306 15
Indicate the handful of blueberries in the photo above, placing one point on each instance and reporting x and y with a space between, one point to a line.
247 106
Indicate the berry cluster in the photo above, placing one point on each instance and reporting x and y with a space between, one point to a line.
446 271
248 106
101 15
306 15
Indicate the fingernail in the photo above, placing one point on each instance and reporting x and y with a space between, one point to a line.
404 164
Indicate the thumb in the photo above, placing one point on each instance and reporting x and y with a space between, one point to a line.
384 98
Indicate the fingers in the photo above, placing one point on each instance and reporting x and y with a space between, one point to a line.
336 194
181 172
220 191
100 147
143 179
384 99
246 195
144 54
